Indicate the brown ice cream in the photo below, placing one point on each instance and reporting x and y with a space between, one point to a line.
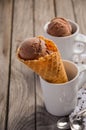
59 27
33 48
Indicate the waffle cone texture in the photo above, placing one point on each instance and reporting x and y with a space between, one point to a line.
50 67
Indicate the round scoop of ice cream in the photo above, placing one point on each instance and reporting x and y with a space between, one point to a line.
32 48
59 27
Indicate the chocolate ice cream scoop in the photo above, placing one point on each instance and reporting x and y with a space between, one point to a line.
32 48
59 27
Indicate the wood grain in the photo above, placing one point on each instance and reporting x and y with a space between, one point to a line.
79 10
64 9
22 85
5 36
44 11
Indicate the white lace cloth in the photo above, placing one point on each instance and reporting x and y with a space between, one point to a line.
81 103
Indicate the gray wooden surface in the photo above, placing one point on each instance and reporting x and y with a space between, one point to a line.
21 99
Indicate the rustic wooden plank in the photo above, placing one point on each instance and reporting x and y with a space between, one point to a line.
5 36
41 16
64 9
22 91
80 9
44 11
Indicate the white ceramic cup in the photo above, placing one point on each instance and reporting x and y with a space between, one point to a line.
67 44
61 99
70 46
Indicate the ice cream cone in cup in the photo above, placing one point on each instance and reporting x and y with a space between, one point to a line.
45 60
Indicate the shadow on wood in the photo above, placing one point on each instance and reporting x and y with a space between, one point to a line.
41 120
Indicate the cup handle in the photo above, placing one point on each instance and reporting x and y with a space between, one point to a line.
80 43
82 68
79 47
80 38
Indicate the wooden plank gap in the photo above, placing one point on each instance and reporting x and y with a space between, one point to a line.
33 17
9 73
35 100
54 2
34 73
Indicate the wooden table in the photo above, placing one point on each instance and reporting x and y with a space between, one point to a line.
21 99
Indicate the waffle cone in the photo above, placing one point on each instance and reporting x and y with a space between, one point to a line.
50 67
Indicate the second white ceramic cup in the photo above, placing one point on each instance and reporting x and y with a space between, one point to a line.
61 99
67 44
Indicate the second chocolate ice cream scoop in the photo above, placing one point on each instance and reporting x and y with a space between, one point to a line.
59 27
